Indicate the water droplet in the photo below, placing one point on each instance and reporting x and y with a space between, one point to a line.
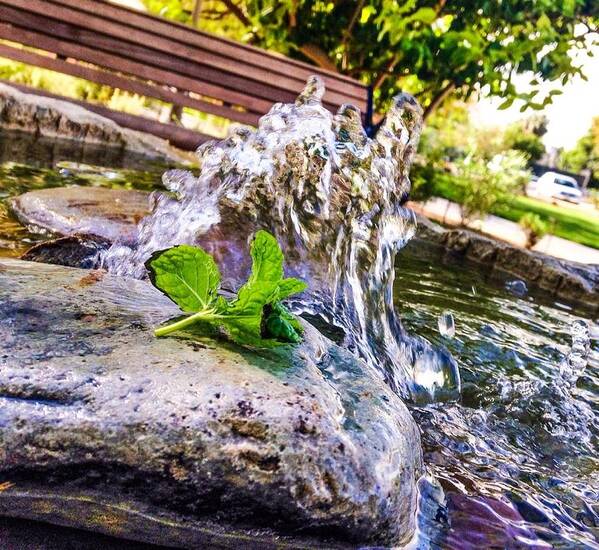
576 361
436 376
517 287
446 324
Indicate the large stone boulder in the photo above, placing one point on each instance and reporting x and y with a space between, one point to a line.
184 441
50 117
100 211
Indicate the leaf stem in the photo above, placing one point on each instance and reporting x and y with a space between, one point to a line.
178 325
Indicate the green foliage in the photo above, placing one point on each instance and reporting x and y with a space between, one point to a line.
426 47
482 184
485 163
528 144
525 136
215 17
422 177
449 134
570 223
534 226
585 153
190 277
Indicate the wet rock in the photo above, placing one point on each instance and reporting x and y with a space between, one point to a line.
551 277
74 251
578 289
45 116
517 287
26 148
482 250
428 230
457 241
103 212
517 261
107 428
570 281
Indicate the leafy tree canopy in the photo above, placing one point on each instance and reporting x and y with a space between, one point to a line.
585 153
431 48
525 136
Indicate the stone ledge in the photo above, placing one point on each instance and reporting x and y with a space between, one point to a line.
570 281
297 442
49 117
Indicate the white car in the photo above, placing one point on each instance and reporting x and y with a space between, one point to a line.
557 186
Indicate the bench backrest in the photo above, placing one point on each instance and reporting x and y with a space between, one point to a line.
151 56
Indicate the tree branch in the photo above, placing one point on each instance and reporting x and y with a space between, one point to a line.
293 15
347 32
318 56
388 70
443 94
195 16
237 12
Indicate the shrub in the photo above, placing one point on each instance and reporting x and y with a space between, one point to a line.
482 184
423 178
534 226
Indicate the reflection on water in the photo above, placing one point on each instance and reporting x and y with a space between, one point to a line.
516 459
28 163
514 463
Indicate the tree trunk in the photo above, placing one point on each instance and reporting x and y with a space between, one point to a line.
195 16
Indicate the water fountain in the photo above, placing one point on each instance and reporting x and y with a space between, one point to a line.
511 458
333 197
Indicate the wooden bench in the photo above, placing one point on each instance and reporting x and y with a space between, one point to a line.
150 56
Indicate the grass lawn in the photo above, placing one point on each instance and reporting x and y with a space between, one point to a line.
577 225
581 226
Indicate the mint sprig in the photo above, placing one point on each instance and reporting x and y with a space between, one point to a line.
190 277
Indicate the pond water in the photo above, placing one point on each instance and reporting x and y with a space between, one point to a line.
28 163
517 456
513 463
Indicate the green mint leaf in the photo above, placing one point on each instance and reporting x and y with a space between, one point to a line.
247 331
262 286
281 325
267 258
244 319
187 275
288 287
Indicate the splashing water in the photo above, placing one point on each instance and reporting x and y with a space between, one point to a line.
332 196
517 456
446 324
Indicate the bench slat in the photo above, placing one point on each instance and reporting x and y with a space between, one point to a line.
103 59
274 62
116 81
115 37
151 56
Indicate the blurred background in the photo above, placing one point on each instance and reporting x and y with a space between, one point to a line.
510 92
